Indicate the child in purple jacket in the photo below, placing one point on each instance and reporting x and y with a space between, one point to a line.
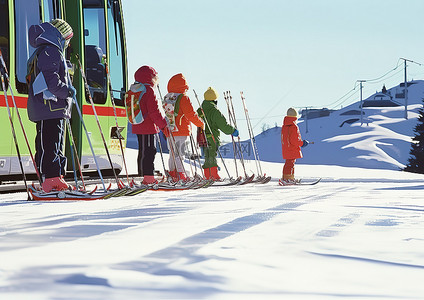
50 100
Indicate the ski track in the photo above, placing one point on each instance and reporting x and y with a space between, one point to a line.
208 243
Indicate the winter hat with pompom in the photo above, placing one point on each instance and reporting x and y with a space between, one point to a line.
210 94
63 27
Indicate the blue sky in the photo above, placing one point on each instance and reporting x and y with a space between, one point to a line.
279 53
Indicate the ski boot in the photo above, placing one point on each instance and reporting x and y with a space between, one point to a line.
54 183
149 180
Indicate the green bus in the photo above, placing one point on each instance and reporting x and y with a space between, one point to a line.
98 43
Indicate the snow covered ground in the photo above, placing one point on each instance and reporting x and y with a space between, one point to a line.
359 234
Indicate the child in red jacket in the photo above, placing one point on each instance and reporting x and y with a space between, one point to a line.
149 127
291 142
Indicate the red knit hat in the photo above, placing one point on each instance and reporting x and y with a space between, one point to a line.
145 74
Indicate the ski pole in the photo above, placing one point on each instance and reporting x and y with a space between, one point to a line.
72 158
2 75
252 136
74 154
118 133
193 155
5 73
240 151
238 138
213 138
171 148
161 154
232 138
89 141
98 122
193 146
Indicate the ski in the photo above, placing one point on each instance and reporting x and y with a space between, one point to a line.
68 195
204 183
168 187
136 189
247 180
283 183
264 179
227 182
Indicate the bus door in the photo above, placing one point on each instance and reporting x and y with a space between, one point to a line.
16 51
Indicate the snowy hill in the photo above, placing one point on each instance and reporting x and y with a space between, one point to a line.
382 142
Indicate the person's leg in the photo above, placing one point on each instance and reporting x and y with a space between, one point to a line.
149 156
180 142
211 165
288 169
38 147
172 156
140 138
146 154
60 147
52 161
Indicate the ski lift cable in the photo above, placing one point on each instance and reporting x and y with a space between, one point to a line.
344 101
342 97
381 80
382 76
273 107
372 81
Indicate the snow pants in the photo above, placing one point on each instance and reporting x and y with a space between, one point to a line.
49 141
146 154
176 155
288 169
210 154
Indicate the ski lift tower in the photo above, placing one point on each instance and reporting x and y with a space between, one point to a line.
360 87
406 83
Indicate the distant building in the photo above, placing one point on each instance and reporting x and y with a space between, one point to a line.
381 99
315 113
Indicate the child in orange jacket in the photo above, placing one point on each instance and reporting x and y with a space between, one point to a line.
291 142
184 115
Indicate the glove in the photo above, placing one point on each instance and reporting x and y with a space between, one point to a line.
72 92
305 143
235 133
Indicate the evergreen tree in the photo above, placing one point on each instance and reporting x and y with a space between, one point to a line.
416 161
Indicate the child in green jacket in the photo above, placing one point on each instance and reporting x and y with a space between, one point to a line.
215 122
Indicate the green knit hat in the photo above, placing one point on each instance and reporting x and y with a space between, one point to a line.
64 28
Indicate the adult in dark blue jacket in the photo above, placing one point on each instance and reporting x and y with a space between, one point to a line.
50 99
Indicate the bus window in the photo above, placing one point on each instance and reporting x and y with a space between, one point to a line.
24 18
95 47
51 10
4 32
116 59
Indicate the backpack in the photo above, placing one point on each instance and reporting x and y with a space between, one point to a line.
201 137
133 103
171 106
32 66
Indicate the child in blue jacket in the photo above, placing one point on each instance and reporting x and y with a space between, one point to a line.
50 100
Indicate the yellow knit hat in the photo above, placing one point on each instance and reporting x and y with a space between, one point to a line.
211 94
291 112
